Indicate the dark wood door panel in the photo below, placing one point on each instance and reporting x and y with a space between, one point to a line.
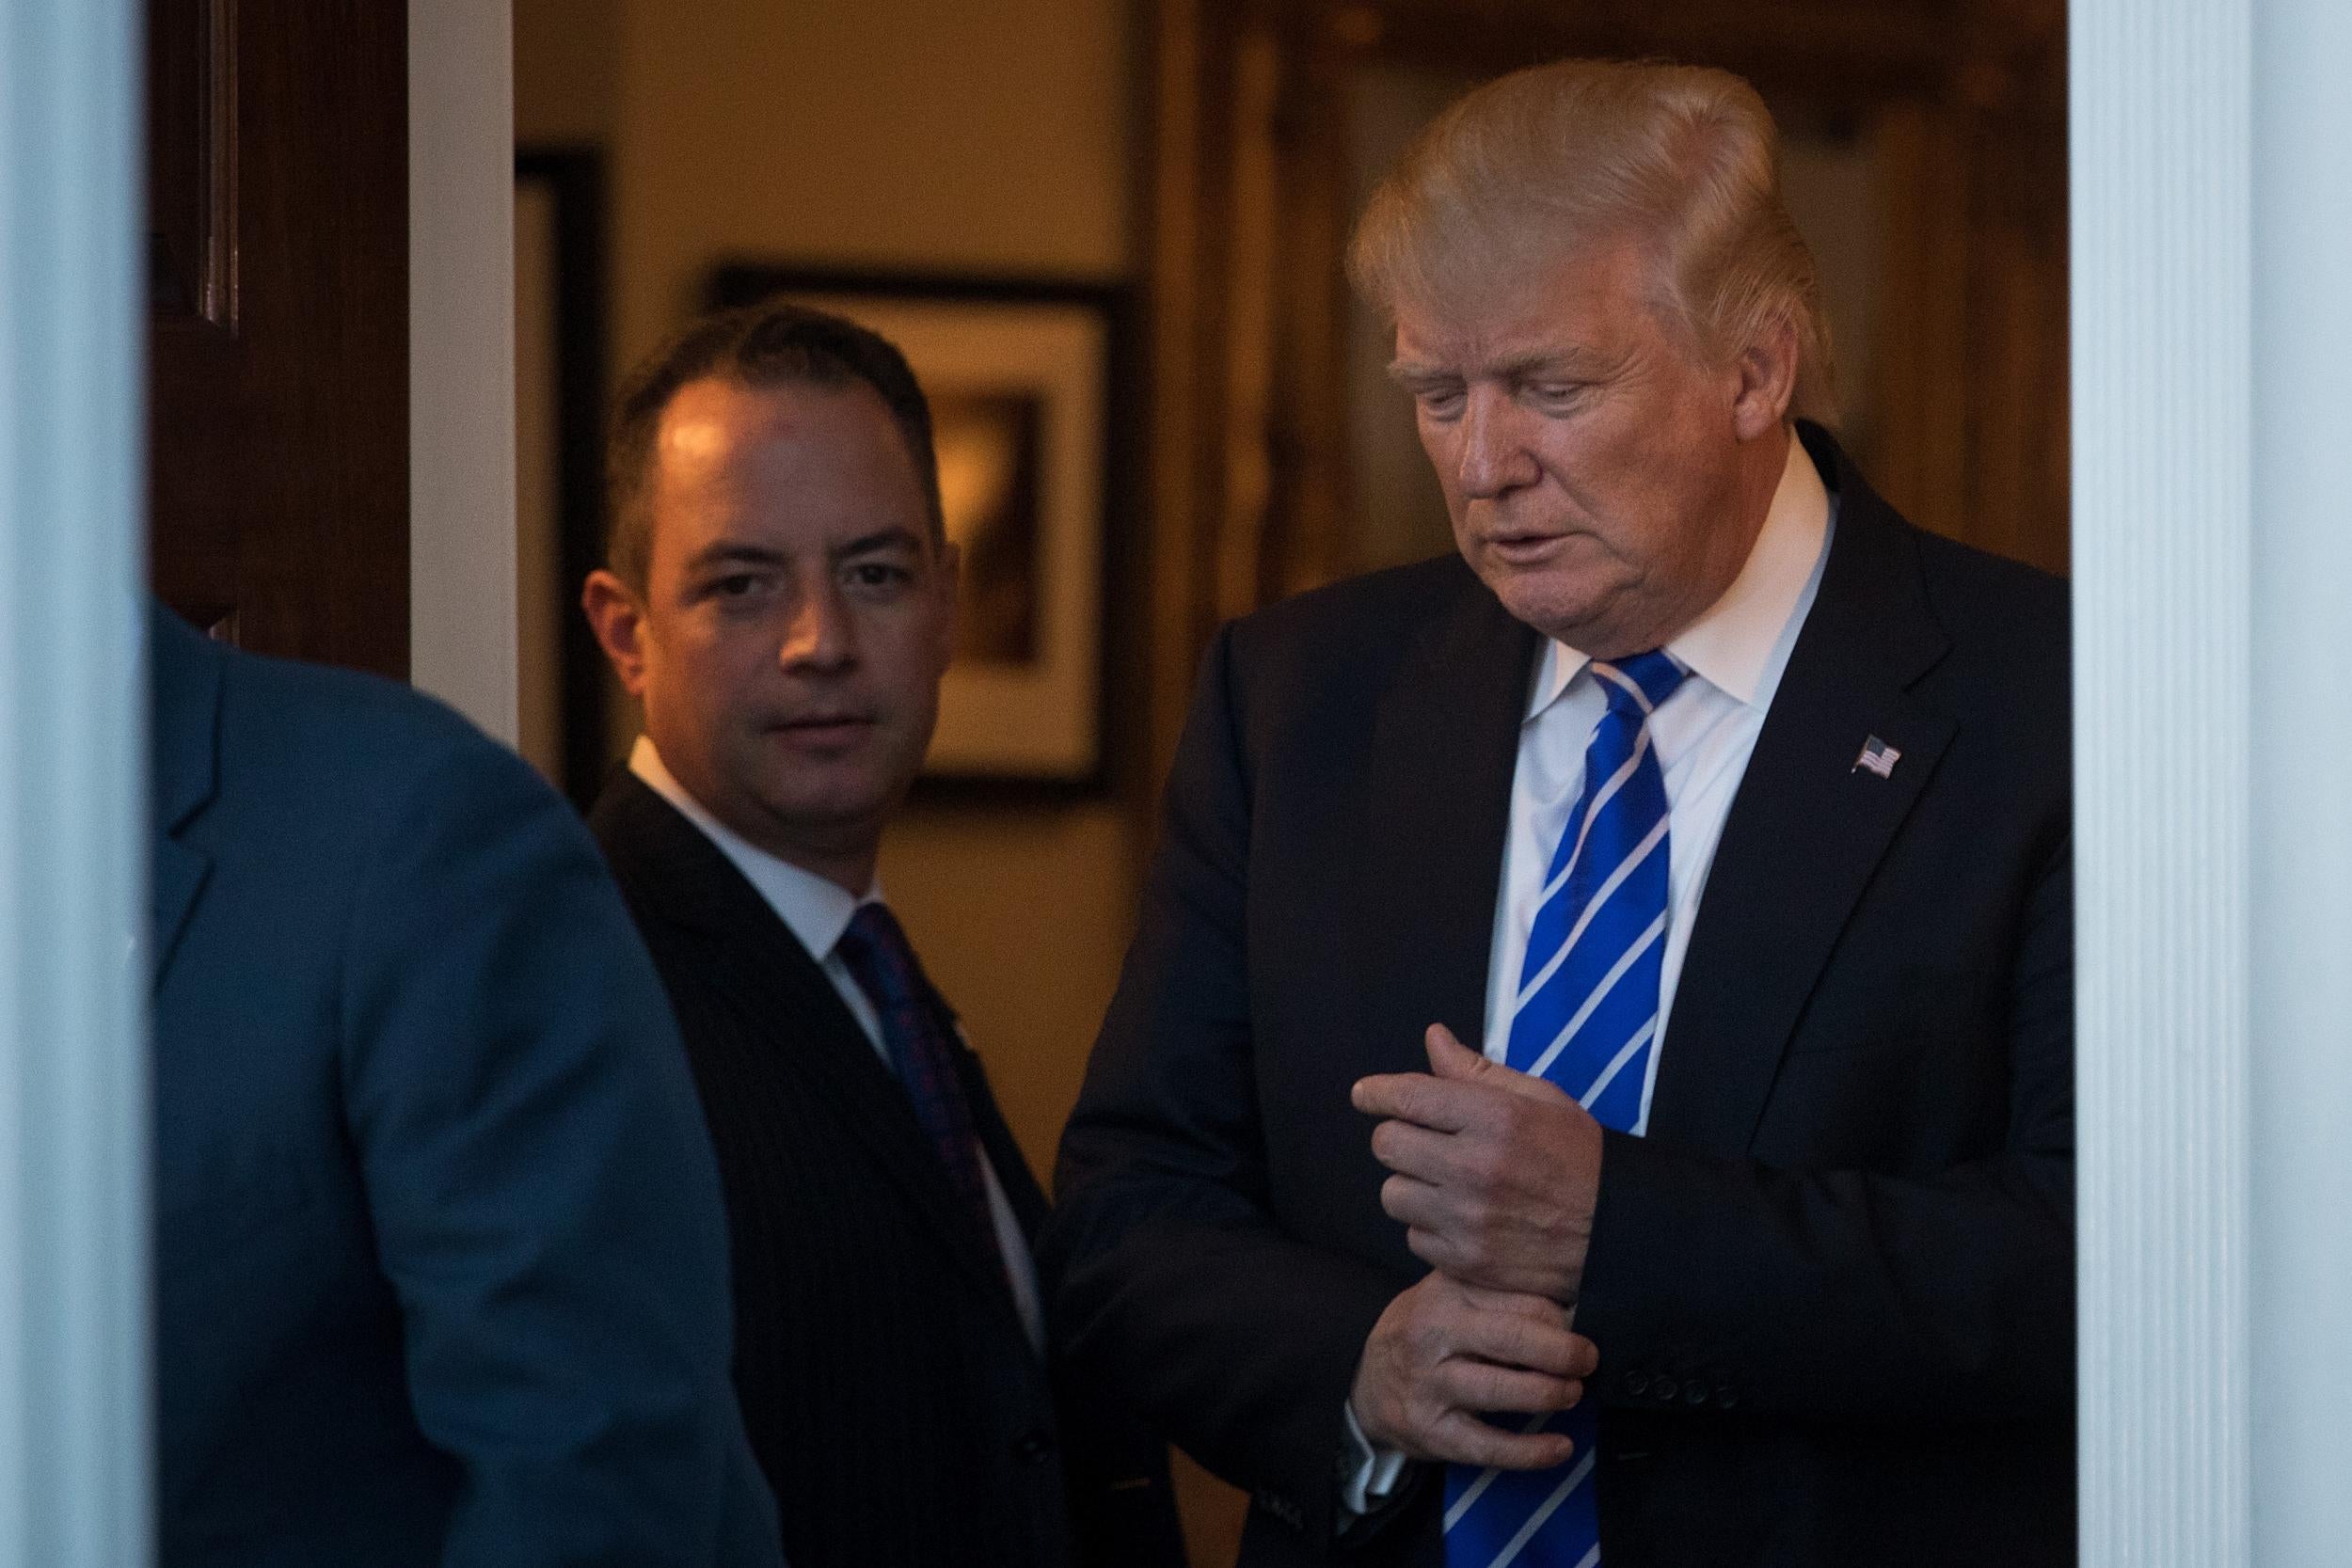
279 341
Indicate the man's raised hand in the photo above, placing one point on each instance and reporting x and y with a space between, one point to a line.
1495 1172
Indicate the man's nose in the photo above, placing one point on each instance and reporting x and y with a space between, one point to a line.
820 636
1491 451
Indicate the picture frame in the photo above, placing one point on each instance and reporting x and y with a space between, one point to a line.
1023 377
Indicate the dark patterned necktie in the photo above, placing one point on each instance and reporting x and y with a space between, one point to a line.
916 1035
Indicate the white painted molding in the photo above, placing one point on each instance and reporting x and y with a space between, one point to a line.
2301 1026
2212 191
2160 121
73 1115
463 644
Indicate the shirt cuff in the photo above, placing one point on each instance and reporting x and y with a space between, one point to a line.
1368 1476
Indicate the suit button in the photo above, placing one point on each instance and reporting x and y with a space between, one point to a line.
1666 1388
1636 1384
1727 1396
1031 1446
1694 1394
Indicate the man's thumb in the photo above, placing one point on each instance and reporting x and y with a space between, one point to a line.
1449 1058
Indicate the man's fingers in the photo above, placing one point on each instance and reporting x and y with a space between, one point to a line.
1416 1097
1453 1062
1462 1438
1449 1058
1483 1385
1411 1149
1411 1202
1515 1339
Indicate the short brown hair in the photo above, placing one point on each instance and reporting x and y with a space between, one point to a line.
1683 160
770 344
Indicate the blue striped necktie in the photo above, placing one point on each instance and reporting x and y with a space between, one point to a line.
1585 1017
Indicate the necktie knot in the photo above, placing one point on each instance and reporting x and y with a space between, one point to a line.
880 959
1636 684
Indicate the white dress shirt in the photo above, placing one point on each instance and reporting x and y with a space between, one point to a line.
818 911
1703 733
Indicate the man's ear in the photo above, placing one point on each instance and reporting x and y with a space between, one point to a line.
1768 381
948 583
618 618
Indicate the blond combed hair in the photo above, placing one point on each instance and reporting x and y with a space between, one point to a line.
1683 161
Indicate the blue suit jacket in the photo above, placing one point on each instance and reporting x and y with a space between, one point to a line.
440 1260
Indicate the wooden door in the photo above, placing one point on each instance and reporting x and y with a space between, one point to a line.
278 241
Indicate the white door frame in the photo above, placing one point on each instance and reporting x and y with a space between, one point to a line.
2211 194
463 612
73 1122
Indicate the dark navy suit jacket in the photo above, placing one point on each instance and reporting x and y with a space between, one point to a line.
1833 1288
440 1263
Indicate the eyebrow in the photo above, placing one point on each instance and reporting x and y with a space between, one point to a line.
889 538
729 553
1571 361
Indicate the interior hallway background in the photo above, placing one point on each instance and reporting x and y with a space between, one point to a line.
1205 157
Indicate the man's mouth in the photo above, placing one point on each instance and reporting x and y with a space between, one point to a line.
1521 547
823 726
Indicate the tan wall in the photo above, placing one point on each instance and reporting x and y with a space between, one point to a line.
929 135
926 134
918 134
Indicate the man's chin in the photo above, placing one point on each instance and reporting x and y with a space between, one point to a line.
1565 615
850 794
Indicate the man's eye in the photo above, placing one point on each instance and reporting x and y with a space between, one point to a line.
877 574
1441 402
735 586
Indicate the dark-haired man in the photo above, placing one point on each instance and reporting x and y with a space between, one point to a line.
781 597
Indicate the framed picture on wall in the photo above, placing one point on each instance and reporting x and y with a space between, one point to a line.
1022 378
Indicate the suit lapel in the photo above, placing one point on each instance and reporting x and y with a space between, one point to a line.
675 873
1445 743
1807 827
183 724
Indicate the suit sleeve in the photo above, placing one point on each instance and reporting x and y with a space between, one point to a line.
543 1191
1851 1296
1177 1284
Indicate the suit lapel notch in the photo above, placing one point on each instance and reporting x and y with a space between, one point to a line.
183 724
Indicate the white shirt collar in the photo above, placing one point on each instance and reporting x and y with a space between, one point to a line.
816 910
1733 645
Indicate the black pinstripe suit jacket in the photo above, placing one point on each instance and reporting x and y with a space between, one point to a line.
891 1394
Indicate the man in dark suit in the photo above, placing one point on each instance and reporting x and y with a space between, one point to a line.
441 1271
782 599
1724 814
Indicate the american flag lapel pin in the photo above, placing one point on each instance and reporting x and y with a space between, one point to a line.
1878 756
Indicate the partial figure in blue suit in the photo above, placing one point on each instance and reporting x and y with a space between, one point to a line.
440 1266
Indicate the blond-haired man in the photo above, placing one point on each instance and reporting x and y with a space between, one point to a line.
1593 1080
